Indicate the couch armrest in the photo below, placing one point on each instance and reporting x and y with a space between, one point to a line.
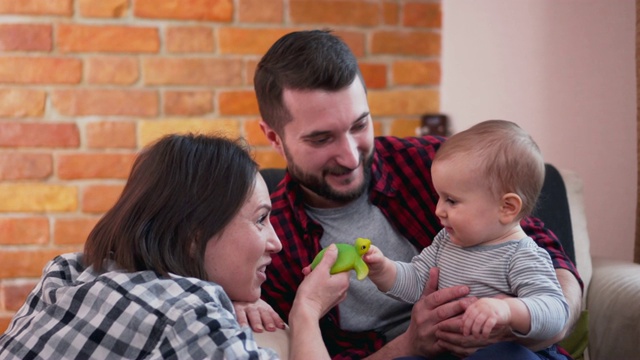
613 302
277 340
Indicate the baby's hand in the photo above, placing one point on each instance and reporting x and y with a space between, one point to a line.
259 315
483 315
374 259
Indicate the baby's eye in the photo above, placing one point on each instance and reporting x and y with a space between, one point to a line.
450 201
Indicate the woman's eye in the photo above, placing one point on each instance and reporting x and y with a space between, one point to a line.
263 219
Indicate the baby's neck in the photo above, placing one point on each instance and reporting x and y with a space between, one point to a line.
514 232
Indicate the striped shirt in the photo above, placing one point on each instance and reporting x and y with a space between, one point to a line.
517 268
76 313
401 188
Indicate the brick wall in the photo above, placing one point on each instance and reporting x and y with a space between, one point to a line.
84 84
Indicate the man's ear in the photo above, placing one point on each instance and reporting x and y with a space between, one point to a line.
510 206
272 136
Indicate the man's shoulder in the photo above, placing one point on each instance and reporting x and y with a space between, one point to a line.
389 146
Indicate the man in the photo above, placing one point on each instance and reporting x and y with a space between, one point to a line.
342 184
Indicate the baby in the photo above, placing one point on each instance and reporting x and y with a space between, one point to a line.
487 178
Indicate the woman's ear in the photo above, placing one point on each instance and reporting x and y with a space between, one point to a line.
272 136
510 206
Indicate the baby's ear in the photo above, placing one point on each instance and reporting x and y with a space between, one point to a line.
510 206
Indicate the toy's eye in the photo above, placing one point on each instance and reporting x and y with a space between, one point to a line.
364 247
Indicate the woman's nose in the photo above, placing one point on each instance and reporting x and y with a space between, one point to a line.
273 242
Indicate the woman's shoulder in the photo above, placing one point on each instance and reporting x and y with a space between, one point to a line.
170 294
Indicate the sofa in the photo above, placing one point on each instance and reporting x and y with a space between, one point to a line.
609 327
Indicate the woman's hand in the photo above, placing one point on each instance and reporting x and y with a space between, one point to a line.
259 315
320 291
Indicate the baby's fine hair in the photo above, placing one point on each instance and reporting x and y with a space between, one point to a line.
506 156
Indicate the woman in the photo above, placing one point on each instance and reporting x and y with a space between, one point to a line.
189 234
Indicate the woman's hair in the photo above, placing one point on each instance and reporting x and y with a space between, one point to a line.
302 60
182 191
508 159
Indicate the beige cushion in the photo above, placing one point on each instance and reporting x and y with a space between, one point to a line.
277 340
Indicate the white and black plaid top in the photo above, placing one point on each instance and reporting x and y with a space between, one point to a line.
76 313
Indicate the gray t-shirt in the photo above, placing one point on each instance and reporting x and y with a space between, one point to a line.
366 308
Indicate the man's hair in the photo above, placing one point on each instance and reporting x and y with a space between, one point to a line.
302 60
507 158
182 191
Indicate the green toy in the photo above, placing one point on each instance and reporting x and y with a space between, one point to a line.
349 257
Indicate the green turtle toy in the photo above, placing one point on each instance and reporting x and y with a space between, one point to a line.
349 257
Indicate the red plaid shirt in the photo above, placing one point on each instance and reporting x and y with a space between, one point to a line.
401 188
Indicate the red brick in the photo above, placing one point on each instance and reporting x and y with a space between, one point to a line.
5 320
24 231
107 38
103 8
416 72
406 43
15 293
377 128
80 102
21 134
427 15
37 197
268 157
238 103
358 13
390 12
404 127
40 70
111 134
25 166
254 134
152 130
37 7
375 75
19 103
403 102
355 40
188 103
28 263
249 71
100 198
260 11
233 40
190 39
112 70
25 37
192 71
209 10
94 166
73 230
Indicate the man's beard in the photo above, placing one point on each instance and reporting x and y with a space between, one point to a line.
320 187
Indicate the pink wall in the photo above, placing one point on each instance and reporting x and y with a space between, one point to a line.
565 71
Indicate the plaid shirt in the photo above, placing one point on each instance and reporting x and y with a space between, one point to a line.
401 188
76 313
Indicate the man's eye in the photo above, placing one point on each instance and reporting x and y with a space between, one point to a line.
360 126
320 141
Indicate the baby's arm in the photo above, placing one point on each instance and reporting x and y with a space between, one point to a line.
486 313
382 271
